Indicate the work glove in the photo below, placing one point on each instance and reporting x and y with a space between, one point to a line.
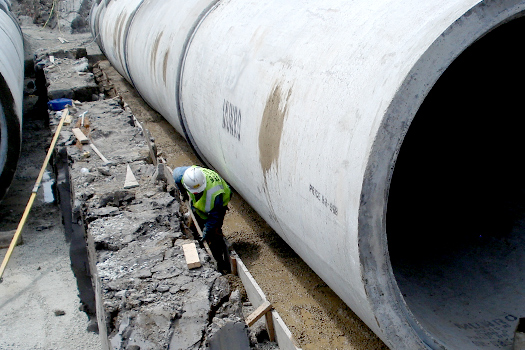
204 234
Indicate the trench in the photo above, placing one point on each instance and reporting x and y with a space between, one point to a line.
456 206
76 237
56 188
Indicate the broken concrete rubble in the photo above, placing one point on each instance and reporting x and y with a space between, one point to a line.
68 77
229 329
229 324
150 298
146 296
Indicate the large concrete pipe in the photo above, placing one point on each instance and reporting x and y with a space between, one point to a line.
305 106
11 94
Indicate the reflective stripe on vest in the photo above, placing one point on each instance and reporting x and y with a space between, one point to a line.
209 197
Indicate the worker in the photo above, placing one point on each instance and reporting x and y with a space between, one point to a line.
209 196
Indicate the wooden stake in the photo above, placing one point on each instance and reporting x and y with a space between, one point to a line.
265 309
269 325
233 261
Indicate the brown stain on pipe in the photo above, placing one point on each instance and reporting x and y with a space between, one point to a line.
272 129
154 51
270 135
117 36
165 66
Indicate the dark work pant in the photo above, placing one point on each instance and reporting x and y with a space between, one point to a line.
217 246
219 250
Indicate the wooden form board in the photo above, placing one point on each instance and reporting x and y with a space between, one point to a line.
284 337
84 140
191 255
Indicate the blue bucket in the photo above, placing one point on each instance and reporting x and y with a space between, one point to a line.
59 104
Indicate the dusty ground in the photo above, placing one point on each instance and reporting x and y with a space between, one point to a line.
316 316
39 303
40 306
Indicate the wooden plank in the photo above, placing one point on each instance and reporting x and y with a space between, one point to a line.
191 255
95 149
131 181
258 313
66 116
6 237
80 135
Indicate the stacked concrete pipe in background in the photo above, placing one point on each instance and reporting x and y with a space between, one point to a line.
303 107
11 94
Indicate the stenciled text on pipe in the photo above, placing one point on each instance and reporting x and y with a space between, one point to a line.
231 119
323 200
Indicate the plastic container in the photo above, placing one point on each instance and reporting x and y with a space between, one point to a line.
59 104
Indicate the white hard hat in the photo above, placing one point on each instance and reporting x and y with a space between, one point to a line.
194 180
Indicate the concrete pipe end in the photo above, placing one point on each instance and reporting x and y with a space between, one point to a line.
442 215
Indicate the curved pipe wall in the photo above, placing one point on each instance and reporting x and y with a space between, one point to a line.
11 94
303 109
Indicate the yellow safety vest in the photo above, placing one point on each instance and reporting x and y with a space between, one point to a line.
215 186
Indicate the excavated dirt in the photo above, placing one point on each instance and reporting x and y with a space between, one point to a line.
316 316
